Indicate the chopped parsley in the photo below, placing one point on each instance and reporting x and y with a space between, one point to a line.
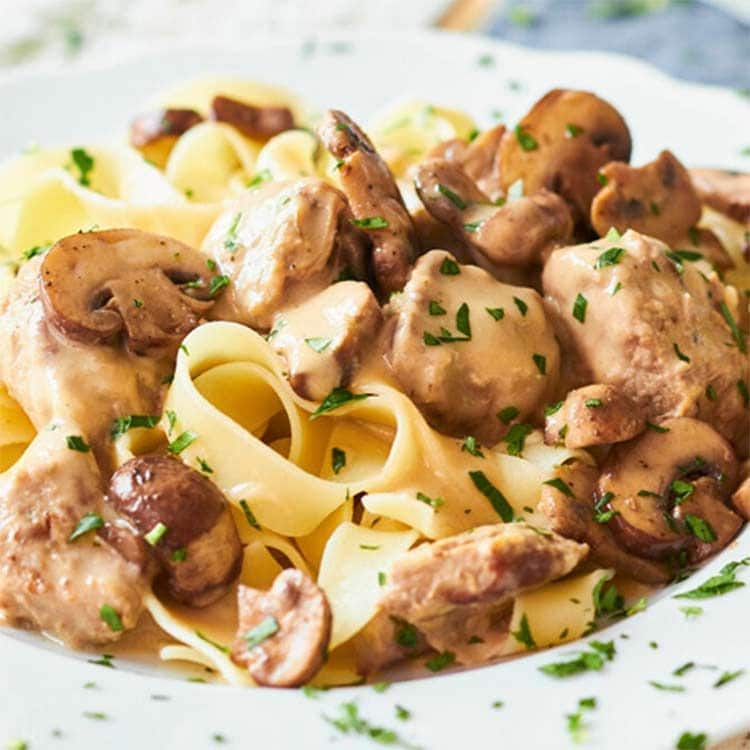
541 363
523 634
338 459
472 226
579 308
718 585
681 490
508 414
521 305
371 222
381 578
471 446
691 611
206 639
337 398
182 441
258 179
435 308
497 313
454 198
497 499
204 466
449 267
433 502
249 515
560 486
656 427
700 528
525 140
462 320
737 334
32 252
156 534
572 130
710 392
109 615
217 283
728 677
405 634
179 555
261 632
601 515
440 661
369 547
122 424
602 179
610 257
553 408
593 403
679 354
349 721
230 242
744 393
515 439
669 688
89 522
608 601
137 302
318 344
593 659
403 714
84 163
77 443
690 741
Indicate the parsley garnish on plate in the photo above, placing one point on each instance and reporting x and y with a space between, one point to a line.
349 721
690 741
592 659
718 585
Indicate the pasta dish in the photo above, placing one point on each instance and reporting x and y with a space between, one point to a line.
309 399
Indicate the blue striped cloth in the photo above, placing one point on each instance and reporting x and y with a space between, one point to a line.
687 38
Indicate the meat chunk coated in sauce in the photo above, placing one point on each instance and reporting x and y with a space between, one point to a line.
281 244
481 345
654 327
375 199
325 339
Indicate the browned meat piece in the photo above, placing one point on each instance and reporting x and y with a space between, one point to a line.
254 122
374 198
384 641
657 199
72 587
725 192
648 324
481 345
185 520
283 633
594 415
519 232
561 144
669 490
460 587
280 245
571 513
325 339
97 285
162 123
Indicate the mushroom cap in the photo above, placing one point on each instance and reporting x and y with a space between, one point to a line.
253 121
657 199
560 161
162 123
157 489
154 289
301 615
640 476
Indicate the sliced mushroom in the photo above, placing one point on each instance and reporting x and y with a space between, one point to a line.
283 633
519 232
647 481
254 122
657 199
741 499
375 199
561 144
725 192
186 521
153 289
325 339
148 128
457 587
569 508
594 415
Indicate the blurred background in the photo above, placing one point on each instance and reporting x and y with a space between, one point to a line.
699 40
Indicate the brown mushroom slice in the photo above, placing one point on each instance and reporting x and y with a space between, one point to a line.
518 232
186 521
741 499
561 144
96 285
646 481
151 127
594 415
324 340
657 199
724 191
283 633
375 199
457 586
568 504
254 122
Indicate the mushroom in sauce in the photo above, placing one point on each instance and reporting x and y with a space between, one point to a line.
186 521
283 633
155 133
255 122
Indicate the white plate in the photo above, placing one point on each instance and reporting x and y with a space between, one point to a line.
43 687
